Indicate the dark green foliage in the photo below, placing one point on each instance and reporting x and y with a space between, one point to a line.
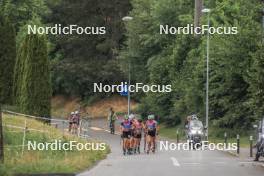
81 60
34 91
236 66
7 59
19 70
19 12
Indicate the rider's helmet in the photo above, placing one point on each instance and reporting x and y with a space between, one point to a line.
76 112
151 117
131 116
72 113
194 117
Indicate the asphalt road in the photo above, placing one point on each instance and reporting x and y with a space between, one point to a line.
166 163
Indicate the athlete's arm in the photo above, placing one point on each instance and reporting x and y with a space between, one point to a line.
121 128
157 128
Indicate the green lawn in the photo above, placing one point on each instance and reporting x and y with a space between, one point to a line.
42 161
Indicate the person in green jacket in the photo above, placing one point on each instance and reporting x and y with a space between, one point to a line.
111 119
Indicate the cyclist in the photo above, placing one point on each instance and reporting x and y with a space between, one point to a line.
152 131
111 119
137 134
125 129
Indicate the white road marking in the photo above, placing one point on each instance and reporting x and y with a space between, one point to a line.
102 129
175 162
246 162
219 162
96 129
192 163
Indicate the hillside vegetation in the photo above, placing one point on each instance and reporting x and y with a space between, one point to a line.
62 106
58 161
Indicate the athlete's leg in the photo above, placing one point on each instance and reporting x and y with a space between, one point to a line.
148 143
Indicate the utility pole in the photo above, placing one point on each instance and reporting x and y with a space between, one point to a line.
128 91
1 138
198 12
205 10
262 42
127 19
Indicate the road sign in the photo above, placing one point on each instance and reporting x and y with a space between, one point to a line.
125 91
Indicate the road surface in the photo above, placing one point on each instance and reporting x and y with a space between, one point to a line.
166 163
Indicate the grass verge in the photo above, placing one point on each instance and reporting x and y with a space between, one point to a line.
32 162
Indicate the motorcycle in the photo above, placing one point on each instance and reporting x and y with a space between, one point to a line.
260 143
195 133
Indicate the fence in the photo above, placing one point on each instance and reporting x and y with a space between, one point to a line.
26 125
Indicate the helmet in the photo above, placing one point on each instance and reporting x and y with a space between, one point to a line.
126 117
194 117
131 116
76 112
72 113
151 117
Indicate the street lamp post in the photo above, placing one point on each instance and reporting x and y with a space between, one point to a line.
207 70
262 22
127 19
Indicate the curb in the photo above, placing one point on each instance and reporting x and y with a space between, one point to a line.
237 155
51 174
232 153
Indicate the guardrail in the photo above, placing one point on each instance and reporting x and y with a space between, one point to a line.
57 123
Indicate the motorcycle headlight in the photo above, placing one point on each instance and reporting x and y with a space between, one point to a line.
263 135
200 132
196 132
193 131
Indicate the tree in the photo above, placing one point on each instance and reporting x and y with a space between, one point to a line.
235 61
155 58
35 84
7 59
81 60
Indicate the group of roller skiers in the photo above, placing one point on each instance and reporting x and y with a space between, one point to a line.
132 130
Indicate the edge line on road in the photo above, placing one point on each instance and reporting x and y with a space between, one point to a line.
175 162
